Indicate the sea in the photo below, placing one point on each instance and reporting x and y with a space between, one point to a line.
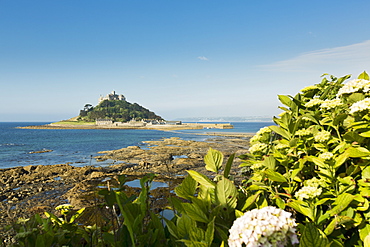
78 147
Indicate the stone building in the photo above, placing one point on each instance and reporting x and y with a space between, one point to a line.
103 121
112 96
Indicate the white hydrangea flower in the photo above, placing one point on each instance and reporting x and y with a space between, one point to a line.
268 226
313 182
309 88
366 88
303 132
264 130
258 135
322 136
354 86
258 147
313 102
257 166
360 106
254 138
282 146
331 104
308 192
326 156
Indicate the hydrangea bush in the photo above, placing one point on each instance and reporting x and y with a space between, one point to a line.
315 162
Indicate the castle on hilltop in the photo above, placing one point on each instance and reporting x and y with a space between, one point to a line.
112 96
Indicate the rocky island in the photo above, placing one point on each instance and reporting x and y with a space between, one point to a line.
114 112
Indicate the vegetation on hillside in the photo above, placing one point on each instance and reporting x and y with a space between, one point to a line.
117 110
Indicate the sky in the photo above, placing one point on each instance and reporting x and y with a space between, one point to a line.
180 59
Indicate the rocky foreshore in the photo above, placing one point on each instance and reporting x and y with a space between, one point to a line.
27 190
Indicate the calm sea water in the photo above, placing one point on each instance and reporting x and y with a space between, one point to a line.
79 146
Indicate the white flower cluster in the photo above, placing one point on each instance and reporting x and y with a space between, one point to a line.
354 86
313 102
326 155
322 136
330 104
303 132
282 146
314 182
257 166
259 134
258 147
268 226
360 106
308 192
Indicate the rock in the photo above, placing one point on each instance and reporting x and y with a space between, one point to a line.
41 151
33 189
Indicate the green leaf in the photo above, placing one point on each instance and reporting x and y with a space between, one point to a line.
338 220
364 232
301 208
176 203
367 241
357 152
187 188
355 97
311 117
210 232
365 134
317 161
366 173
129 218
341 203
275 176
172 228
353 136
364 76
76 215
313 237
228 165
365 192
202 179
238 213
340 160
213 160
285 100
226 193
269 162
280 203
250 200
53 218
281 132
195 213
184 223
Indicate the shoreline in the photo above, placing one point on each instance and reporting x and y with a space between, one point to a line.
38 188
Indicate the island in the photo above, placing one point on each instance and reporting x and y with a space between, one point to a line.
115 112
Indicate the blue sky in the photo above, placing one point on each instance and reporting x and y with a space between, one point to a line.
178 58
